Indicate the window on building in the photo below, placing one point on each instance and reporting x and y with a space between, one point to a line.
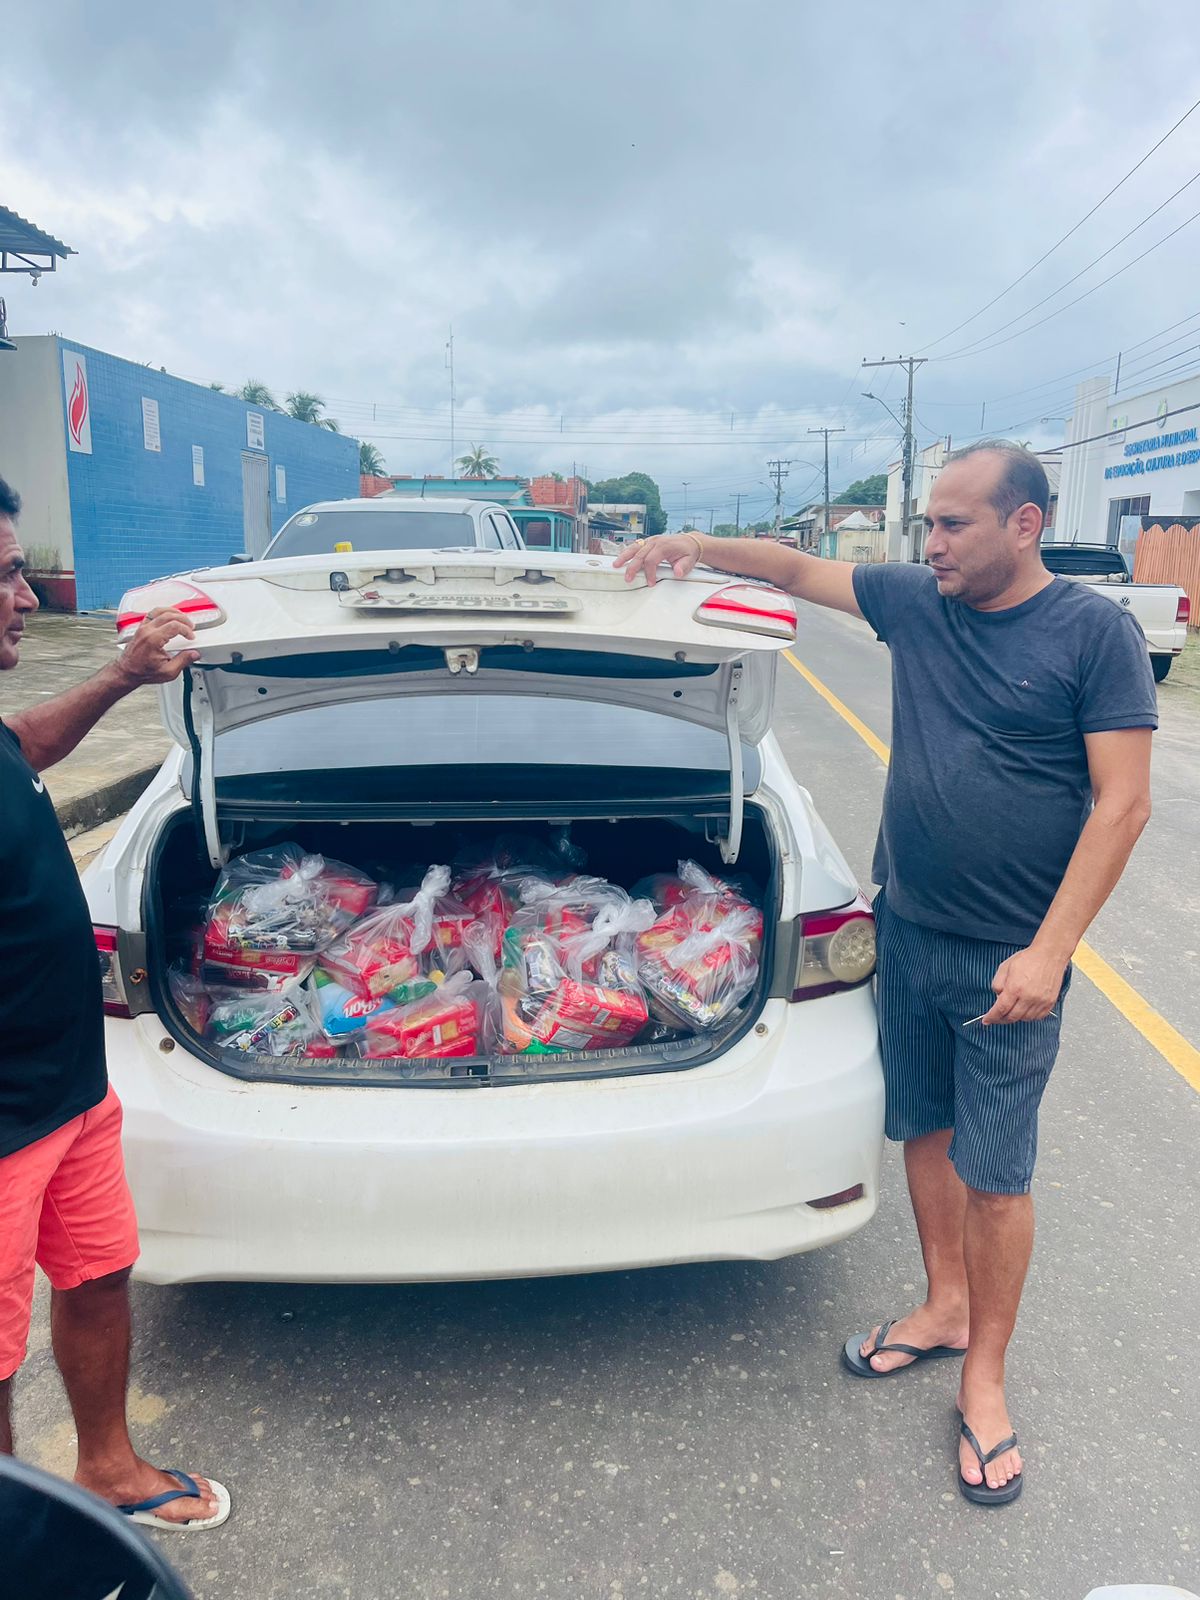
1138 506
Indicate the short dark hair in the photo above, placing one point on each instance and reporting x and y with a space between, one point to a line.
1022 482
10 501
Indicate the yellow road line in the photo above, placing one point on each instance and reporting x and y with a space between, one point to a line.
1177 1051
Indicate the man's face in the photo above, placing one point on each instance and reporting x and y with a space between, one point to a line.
17 599
974 555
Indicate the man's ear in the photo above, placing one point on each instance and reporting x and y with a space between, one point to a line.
1030 523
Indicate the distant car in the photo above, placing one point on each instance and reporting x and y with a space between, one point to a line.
1162 610
395 522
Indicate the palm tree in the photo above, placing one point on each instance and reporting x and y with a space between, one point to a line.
219 387
478 463
370 462
307 407
257 394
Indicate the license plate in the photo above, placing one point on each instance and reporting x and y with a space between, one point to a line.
380 598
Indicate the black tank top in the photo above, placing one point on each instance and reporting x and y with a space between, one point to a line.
51 1022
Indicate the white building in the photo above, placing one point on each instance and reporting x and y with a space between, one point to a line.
1129 456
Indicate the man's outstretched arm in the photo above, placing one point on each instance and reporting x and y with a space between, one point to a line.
824 583
52 730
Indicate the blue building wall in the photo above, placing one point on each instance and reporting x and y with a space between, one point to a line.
136 513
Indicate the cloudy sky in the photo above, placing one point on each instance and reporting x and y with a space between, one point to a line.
665 233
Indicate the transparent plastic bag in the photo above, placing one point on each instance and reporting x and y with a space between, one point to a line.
281 902
280 1024
698 974
392 949
569 980
443 1025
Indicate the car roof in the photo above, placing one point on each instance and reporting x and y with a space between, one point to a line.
399 502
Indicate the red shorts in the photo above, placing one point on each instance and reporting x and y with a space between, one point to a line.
65 1205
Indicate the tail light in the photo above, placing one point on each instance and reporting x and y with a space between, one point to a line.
1183 611
837 951
751 608
169 594
112 984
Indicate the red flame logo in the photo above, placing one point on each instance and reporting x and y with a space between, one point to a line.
77 405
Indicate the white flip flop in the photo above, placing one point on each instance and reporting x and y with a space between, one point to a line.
146 1511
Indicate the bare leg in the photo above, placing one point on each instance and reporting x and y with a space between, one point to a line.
998 1241
6 1439
939 1200
91 1332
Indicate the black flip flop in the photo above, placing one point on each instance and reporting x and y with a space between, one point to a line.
861 1366
980 1494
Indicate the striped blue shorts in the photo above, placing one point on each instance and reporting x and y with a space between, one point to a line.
985 1083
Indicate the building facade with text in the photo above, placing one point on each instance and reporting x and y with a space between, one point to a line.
127 472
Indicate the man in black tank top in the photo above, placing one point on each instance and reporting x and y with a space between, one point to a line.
64 1203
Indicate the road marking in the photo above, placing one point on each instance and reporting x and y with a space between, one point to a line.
1175 1050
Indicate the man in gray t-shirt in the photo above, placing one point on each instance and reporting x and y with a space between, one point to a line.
1023 709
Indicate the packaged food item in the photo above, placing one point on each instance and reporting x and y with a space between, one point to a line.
698 977
397 945
569 979
585 1016
342 1013
444 1024
277 902
263 1024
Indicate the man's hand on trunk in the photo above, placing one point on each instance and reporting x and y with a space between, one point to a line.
146 659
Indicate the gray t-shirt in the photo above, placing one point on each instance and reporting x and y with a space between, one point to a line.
988 788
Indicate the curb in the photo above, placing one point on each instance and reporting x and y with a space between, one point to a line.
84 811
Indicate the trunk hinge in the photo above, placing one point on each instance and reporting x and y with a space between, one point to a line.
198 715
731 842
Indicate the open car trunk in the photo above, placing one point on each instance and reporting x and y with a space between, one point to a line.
649 838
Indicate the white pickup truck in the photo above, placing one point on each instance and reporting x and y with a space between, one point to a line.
1162 609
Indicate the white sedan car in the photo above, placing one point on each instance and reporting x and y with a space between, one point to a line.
386 707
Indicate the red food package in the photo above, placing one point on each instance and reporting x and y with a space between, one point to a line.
375 957
583 1016
350 890
444 1024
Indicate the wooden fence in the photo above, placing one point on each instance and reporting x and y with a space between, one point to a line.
1169 552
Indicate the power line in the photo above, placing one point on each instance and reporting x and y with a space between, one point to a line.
983 349
1072 230
1075 278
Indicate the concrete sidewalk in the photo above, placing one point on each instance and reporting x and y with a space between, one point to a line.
115 762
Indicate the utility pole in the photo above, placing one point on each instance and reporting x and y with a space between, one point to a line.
778 471
737 518
826 432
910 363
450 364
685 517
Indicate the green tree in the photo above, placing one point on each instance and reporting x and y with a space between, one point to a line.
870 491
635 488
370 462
219 387
308 407
257 394
478 463
727 530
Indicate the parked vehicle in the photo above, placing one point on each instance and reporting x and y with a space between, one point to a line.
395 522
1162 609
364 712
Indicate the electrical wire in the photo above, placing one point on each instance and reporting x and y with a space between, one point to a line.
1037 305
1072 230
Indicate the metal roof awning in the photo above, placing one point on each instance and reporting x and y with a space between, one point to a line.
26 248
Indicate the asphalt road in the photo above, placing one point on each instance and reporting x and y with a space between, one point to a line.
688 1432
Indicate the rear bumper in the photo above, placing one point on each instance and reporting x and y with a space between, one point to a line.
325 1184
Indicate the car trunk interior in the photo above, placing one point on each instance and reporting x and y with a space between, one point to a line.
623 848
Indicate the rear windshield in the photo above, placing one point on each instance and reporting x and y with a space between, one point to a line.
314 533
